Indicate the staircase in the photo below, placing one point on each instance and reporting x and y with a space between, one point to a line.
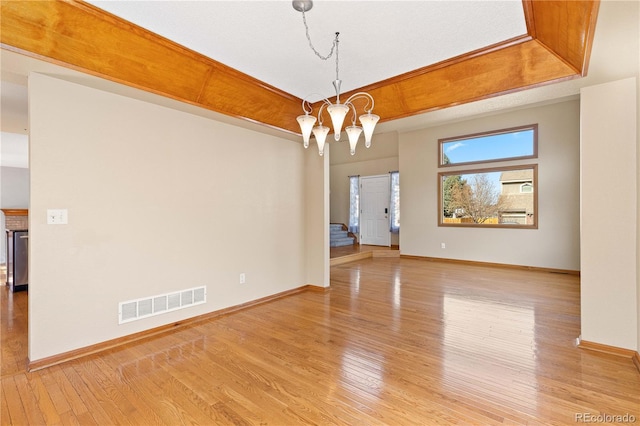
339 237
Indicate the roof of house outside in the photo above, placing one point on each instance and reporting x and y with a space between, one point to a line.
524 175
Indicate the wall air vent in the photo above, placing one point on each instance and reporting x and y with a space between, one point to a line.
133 310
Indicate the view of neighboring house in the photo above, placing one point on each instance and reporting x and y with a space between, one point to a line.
516 197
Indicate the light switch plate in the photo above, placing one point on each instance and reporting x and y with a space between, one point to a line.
57 217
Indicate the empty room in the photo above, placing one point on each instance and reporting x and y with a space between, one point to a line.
330 212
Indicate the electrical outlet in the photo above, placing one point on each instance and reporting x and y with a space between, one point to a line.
243 278
443 245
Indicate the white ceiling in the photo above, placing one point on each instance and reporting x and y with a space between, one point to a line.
266 39
378 39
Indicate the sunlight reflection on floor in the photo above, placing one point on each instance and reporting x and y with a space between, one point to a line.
486 341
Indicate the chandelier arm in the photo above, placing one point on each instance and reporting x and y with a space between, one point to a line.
306 103
365 95
353 110
324 104
307 107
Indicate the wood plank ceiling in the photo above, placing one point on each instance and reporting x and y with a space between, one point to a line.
78 35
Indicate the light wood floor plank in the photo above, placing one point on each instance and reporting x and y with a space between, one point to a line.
395 341
14 407
36 400
149 388
68 418
13 335
68 394
4 406
58 398
92 401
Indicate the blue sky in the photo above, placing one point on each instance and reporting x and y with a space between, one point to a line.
504 145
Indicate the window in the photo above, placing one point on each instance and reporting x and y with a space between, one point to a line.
526 188
502 195
491 197
507 144
395 202
354 204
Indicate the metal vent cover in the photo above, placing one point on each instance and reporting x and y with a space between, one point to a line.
132 310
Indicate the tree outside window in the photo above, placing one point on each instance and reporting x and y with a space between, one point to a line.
498 195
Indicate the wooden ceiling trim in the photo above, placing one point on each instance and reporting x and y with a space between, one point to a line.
522 65
80 36
70 33
447 62
421 79
527 6
516 64
567 28
229 91
591 33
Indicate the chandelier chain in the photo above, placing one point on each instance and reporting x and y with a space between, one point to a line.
334 46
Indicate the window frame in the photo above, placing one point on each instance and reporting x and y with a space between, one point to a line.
516 129
443 174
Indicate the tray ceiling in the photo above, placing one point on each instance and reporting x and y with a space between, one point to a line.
251 60
378 39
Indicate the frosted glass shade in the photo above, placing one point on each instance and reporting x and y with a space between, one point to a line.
354 133
321 132
337 112
368 122
306 125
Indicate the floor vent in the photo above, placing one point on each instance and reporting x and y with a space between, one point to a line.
132 310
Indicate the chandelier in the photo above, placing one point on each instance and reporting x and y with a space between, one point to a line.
337 111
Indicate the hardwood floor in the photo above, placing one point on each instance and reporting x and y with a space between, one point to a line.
13 337
395 342
358 248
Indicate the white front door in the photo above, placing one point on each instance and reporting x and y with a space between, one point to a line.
374 210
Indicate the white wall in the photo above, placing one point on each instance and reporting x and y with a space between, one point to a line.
14 188
555 244
609 284
317 216
14 194
158 201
